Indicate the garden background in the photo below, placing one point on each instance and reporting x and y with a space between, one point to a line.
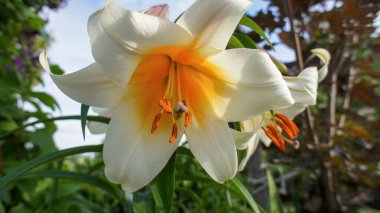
336 169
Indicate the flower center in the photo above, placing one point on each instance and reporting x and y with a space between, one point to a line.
172 103
280 121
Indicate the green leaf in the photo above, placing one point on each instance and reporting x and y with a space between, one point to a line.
55 69
84 178
163 187
234 185
184 151
275 204
246 21
42 138
191 194
18 172
83 118
46 99
246 40
234 43
244 193
143 202
280 66
8 126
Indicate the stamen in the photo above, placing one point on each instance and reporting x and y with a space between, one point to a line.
273 134
174 135
166 105
156 122
286 129
293 127
188 115
188 119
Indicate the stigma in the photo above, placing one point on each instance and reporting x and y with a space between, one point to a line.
278 124
173 104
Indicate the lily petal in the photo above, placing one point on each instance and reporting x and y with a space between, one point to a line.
212 22
99 127
118 62
141 32
252 146
325 57
304 87
252 125
241 138
249 85
212 144
132 155
89 86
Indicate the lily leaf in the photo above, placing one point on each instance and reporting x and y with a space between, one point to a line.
83 118
163 187
94 181
274 199
246 21
44 159
244 193
234 43
246 40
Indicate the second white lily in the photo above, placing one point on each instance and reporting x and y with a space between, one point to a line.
268 127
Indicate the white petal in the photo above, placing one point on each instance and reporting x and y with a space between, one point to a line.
89 85
252 146
118 62
264 138
212 144
304 87
253 124
325 57
140 32
99 127
241 138
132 155
252 85
292 111
213 21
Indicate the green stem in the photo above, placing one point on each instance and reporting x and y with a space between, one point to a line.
46 158
60 118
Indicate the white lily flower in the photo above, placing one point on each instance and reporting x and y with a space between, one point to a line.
268 127
166 79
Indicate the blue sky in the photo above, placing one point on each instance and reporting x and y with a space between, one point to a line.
71 50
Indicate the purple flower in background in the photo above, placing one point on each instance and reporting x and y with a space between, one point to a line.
8 68
18 63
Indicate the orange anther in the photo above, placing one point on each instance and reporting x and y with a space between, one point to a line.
166 105
286 129
277 139
174 135
288 122
156 121
188 116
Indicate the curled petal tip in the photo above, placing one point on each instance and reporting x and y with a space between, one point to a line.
325 57
322 53
44 61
